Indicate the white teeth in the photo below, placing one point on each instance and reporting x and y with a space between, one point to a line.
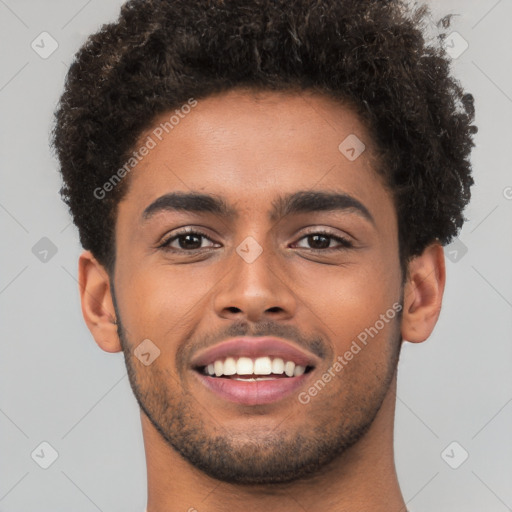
244 366
289 368
218 366
278 365
254 380
229 366
262 366
259 366
299 370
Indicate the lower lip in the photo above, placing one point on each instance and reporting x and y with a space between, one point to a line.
253 392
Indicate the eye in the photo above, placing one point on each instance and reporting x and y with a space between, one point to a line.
187 240
321 241
190 240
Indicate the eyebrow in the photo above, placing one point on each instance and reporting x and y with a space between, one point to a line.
303 201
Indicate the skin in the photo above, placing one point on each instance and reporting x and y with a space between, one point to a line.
206 453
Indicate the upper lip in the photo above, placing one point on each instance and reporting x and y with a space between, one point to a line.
254 347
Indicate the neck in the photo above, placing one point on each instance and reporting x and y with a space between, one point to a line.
363 479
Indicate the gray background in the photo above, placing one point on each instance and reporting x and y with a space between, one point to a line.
58 386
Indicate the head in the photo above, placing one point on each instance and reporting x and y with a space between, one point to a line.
335 153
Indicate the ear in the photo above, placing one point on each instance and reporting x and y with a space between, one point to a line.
97 305
423 294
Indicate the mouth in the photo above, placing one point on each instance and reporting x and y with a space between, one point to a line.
253 369
248 381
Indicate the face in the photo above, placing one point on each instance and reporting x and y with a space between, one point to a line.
278 259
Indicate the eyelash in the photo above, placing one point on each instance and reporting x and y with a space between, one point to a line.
344 243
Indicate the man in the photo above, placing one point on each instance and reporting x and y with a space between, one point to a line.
263 189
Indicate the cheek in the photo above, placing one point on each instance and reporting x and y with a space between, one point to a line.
347 304
161 300
349 295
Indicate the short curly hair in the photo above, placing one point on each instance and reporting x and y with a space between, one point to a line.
371 54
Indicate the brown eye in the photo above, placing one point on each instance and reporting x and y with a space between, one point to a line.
187 241
322 242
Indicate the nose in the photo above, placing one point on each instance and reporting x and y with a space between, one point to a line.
255 291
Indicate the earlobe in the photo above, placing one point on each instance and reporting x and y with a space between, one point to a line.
423 293
97 306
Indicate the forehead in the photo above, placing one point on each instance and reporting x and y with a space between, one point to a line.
247 146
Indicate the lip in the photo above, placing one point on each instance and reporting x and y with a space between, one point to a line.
253 348
253 393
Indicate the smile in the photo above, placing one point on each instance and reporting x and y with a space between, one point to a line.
249 382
